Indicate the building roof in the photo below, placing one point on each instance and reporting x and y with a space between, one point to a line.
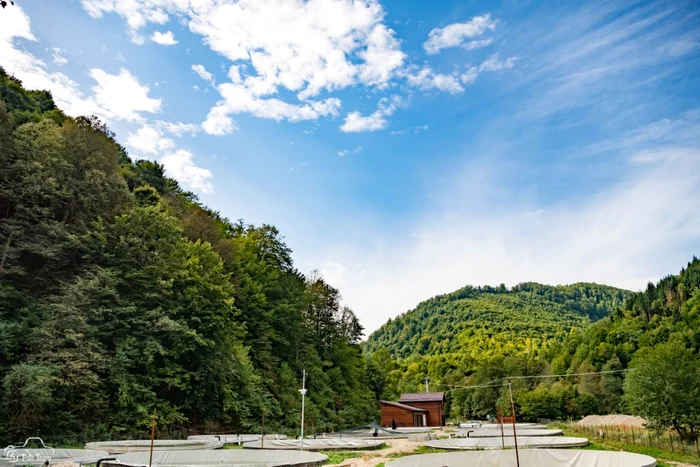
423 397
403 406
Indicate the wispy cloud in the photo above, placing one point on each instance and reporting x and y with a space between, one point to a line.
58 59
588 48
345 152
300 165
461 35
355 122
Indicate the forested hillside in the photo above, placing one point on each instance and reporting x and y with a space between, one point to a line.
650 340
120 292
487 321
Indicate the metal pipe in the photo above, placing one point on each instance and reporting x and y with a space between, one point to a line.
303 396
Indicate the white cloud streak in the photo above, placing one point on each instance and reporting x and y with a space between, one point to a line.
203 73
57 58
345 152
456 35
355 122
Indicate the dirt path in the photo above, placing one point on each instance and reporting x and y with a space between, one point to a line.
377 456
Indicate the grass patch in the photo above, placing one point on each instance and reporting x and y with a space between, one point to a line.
336 457
233 446
599 444
417 450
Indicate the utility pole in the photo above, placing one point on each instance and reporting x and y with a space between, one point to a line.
303 396
515 434
427 380
153 437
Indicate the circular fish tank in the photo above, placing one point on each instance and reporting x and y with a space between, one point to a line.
497 426
488 433
234 439
328 444
528 457
220 458
139 445
468 444
12 456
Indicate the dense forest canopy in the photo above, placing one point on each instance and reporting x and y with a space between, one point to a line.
120 292
481 320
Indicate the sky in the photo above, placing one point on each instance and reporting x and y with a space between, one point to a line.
404 148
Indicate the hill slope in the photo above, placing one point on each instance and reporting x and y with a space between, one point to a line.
487 320
120 292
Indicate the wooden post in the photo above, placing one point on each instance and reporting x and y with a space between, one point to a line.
515 434
633 441
262 436
153 436
671 440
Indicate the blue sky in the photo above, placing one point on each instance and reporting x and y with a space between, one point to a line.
403 148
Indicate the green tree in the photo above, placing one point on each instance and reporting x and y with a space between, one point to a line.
664 387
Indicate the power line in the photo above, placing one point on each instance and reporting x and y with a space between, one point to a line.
503 380
569 374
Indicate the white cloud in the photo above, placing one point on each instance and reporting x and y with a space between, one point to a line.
490 64
178 128
218 123
240 99
116 97
382 57
203 73
180 166
302 47
414 129
454 35
345 152
493 64
644 226
148 140
122 96
57 58
427 79
355 122
164 38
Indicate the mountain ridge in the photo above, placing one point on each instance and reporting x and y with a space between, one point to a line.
479 316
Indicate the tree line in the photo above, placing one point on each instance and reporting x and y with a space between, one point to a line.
120 292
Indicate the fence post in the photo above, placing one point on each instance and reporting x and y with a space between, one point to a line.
649 436
619 438
633 441
671 440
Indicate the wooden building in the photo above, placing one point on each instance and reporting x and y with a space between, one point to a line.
414 410
395 415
